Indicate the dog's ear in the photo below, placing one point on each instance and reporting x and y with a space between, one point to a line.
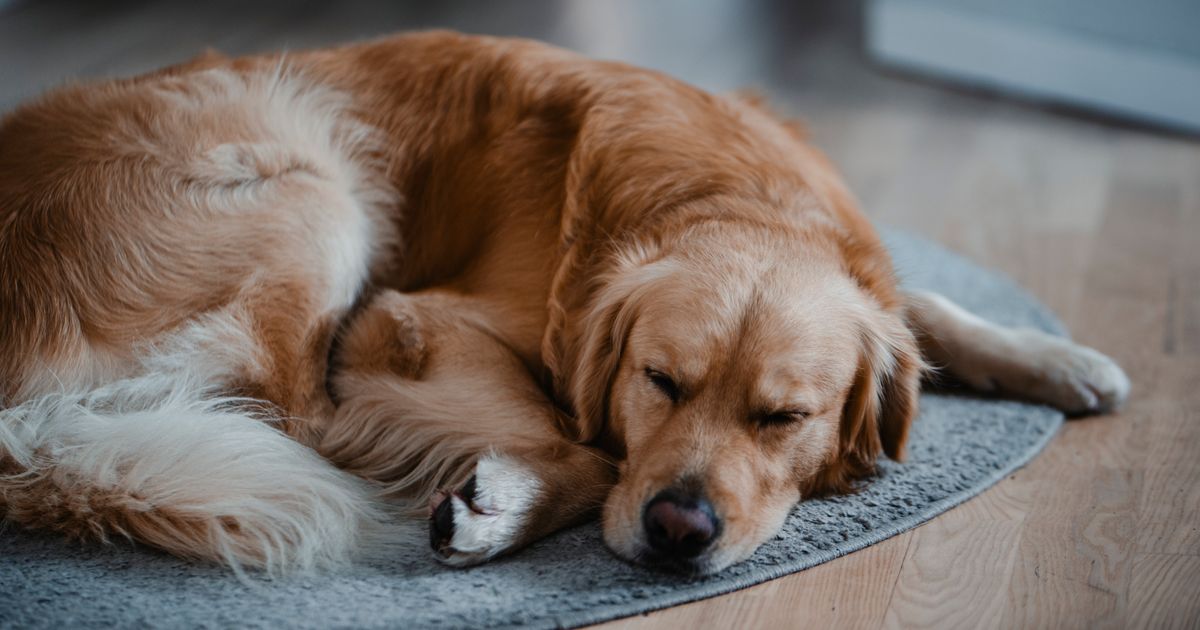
594 363
584 349
881 405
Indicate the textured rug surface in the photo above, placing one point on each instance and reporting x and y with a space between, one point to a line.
959 446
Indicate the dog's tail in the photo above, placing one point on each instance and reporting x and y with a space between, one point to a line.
164 460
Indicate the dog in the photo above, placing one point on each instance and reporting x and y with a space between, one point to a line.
249 305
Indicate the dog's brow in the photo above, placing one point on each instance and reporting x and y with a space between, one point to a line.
785 390
794 403
684 364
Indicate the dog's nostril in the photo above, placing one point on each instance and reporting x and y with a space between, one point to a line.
679 525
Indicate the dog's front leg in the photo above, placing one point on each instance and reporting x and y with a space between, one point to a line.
431 397
1022 362
517 497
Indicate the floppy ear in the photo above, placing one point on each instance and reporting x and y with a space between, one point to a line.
584 349
882 402
598 353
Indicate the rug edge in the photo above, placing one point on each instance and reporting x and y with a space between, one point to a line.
934 510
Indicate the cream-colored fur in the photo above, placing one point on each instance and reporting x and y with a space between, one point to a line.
1023 362
165 458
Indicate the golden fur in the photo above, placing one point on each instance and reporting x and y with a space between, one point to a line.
508 237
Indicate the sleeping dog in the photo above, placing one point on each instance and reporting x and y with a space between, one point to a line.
247 304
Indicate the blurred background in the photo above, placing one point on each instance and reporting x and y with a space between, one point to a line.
1138 60
1135 60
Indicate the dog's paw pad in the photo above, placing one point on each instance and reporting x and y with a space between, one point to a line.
484 517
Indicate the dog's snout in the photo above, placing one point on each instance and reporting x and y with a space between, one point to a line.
680 525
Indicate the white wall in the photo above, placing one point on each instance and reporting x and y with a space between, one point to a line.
1139 59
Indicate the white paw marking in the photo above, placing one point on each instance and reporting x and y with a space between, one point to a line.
490 524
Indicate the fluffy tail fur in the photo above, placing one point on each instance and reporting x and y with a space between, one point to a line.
165 460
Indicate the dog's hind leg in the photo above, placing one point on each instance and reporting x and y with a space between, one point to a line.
1020 362
176 253
431 398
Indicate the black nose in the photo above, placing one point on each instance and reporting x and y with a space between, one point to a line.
680 525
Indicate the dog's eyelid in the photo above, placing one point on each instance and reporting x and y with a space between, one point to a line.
652 372
783 416
664 383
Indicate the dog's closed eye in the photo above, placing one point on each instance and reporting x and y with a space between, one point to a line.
784 417
664 383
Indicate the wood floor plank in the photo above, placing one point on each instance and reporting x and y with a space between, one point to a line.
957 565
1164 592
1072 557
1168 510
816 598
1076 553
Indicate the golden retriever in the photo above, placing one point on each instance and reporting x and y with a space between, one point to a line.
246 303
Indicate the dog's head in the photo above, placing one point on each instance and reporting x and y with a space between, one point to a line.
737 370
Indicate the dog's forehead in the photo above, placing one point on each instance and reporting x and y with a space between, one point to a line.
798 343
795 311
784 327
684 327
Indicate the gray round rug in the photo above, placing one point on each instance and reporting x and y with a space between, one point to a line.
959 446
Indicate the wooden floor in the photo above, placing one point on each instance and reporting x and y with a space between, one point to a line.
1100 220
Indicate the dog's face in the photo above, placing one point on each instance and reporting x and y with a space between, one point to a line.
736 384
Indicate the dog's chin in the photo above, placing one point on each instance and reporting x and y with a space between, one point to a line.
705 564
690 567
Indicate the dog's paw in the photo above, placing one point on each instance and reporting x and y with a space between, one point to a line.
1072 377
486 516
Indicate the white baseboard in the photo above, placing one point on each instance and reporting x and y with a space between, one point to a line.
1042 62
